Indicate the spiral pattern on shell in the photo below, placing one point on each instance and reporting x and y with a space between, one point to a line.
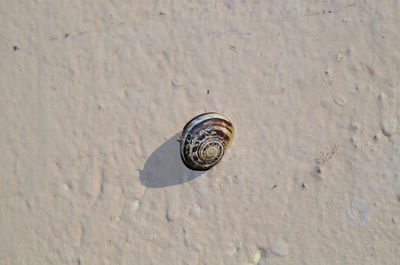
205 139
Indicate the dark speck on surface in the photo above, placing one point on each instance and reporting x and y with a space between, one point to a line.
208 91
66 35
15 47
162 14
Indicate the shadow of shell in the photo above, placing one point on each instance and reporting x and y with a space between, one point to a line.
165 168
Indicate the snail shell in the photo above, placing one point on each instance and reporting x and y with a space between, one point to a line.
205 139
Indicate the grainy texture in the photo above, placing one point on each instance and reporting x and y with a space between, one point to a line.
94 94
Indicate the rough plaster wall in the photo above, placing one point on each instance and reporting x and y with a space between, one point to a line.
95 93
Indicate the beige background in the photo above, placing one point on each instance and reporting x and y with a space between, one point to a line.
95 93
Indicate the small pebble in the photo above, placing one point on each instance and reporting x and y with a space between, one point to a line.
280 248
339 56
388 115
339 101
176 82
171 216
136 205
257 257
15 48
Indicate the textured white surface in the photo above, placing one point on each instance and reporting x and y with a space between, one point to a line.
93 94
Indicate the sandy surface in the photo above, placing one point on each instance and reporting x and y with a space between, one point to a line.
95 93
